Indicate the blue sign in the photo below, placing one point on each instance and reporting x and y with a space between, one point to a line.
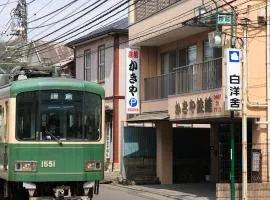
234 56
133 102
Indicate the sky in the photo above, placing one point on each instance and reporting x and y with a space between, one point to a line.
40 8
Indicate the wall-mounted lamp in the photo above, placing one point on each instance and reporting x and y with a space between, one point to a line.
215 39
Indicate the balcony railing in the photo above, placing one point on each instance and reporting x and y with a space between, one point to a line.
145 8
187 79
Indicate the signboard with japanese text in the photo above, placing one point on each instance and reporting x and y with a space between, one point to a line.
197 106
132 81
233 80
224 19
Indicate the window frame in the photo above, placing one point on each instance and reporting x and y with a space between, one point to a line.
101 66
87 68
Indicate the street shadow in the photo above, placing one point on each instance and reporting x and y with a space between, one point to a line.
198 191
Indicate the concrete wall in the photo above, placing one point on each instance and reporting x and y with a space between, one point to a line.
256 191
164 152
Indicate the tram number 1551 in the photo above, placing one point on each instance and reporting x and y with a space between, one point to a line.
47 163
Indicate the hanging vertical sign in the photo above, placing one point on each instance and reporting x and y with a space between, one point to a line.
233 80
132 81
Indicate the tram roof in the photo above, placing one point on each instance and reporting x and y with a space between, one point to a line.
35 84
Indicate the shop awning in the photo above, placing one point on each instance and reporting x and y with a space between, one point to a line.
149 117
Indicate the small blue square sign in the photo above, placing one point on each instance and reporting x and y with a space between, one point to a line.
234 56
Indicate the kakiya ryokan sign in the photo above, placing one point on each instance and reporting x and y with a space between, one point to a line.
196 106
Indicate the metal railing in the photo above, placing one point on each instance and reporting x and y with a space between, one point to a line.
186 79
145 8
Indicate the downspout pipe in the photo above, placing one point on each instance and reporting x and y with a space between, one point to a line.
268 84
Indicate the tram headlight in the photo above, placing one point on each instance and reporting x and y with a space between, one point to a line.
25 166
91 165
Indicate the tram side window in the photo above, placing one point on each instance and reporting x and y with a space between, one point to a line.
26 116
92 117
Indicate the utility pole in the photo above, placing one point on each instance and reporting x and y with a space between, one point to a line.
244 111
19 15
23 5
23 18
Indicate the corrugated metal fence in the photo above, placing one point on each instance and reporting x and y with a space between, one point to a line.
139 154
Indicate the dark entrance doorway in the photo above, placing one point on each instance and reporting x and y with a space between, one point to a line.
191 154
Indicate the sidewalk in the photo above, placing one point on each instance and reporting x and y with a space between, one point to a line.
198 191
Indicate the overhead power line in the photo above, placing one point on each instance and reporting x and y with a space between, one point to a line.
31 2
41 9
8 3
144 34
59 12
149 33
4 6
52 11
86 25
62 19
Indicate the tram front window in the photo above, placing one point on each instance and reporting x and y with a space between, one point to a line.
58 115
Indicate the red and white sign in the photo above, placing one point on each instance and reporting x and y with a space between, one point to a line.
133 81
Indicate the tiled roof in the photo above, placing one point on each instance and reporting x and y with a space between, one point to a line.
53 53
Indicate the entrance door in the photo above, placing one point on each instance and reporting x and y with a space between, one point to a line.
191 154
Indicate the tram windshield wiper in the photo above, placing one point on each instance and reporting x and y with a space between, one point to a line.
50 133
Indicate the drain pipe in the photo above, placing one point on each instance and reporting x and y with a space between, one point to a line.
268 84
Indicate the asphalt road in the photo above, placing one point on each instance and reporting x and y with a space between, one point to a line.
110 192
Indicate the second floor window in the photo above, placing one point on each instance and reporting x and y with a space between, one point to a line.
192 54
168 62
210 53
101 63
87 65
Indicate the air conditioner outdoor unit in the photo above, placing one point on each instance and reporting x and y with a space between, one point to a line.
215 39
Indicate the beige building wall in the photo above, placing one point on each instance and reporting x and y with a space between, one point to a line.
164 152
93 46
214 153
164 22
148 65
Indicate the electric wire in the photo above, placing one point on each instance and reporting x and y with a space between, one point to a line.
72 31
53 32
41 9
8 3
166 27
62 19
4 6
122 42
31 2
44 16
50 26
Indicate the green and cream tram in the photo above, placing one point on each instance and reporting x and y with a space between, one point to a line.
51 141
